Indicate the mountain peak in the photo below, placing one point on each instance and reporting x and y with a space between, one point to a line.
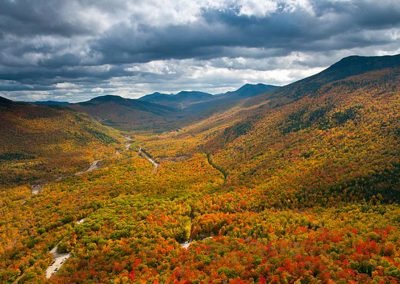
52 103
107 98
179 100
196 94
251 90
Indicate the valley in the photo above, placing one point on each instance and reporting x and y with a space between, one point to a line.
296 184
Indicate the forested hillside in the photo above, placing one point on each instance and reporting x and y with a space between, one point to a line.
42 142
347 134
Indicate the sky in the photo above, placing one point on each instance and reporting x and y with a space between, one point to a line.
78 49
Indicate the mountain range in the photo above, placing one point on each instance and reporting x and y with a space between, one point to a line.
160 112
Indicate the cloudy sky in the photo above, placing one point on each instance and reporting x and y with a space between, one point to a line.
78 49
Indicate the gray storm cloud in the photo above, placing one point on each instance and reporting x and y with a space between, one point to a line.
74 50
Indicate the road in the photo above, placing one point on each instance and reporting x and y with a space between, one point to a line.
143 153
59 259
128 144
93 166
36 189
187 244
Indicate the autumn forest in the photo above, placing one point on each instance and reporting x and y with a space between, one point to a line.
296 184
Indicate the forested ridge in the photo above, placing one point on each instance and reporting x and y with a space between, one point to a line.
40 143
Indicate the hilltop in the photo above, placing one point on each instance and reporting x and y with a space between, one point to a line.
180 100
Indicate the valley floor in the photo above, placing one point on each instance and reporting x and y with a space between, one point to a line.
184 222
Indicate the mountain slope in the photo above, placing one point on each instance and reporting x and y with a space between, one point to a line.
41 141
128 114
348 133
347 67
4 101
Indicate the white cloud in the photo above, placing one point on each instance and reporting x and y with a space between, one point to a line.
259 8
66 85
97 90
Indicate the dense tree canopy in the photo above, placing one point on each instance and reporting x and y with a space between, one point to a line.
307 192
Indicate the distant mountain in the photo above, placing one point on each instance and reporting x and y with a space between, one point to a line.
51 103
222 102
186 99
156 96
250 90
131 103
195 105
160 112
127 114
180 100
193 95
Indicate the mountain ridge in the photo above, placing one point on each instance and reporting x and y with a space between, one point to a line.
346 67
250 90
